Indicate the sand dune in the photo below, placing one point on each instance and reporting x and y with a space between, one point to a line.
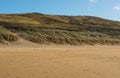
60 62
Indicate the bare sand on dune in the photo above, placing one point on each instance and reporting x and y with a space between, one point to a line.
60 62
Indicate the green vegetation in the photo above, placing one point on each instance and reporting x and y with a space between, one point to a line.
6 35
68 37
74 30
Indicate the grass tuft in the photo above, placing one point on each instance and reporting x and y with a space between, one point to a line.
6 35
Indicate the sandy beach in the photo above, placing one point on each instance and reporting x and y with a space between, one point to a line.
60 62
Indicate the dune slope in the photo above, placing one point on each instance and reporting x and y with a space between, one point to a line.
73 30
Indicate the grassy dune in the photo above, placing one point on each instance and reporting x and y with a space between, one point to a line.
74 30
6 35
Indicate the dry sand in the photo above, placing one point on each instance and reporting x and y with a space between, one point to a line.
60 62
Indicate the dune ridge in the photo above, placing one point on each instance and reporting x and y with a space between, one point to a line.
56 29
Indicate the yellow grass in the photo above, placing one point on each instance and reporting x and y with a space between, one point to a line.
60 62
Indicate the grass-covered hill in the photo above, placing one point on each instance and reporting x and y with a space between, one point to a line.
46 29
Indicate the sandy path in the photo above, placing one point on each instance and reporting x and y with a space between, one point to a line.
76 62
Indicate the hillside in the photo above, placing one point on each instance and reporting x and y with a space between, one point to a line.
46 29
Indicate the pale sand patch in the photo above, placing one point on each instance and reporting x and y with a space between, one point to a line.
60 62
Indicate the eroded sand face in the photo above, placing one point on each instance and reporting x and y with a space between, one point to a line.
60 62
